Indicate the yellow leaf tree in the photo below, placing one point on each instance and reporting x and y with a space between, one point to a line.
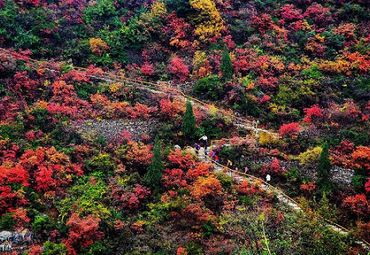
210 23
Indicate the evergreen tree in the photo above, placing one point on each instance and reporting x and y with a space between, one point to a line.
188 122
226 66
323 171
153 176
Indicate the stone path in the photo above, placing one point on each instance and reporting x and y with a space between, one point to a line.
281 196
111 129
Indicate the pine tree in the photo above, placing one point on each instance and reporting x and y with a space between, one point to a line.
153 176
188 122
323 171
226 66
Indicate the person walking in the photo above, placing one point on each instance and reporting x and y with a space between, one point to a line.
216 158
246 169
204 140
229 163
213 154
268 178
197 148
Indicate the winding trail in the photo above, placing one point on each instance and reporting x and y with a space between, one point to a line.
167 89
282 197
155 88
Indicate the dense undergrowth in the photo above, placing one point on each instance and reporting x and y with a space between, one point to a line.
299 67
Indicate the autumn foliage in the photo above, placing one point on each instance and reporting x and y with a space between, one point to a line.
290 129
86 86
206 186
82 232
178 68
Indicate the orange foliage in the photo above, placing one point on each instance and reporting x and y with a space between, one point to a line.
174 178
139 153
171 108
358 61
181 251
346 29
361 157
108 108
140 111
358 204
201 169
98 46
83 231
181 159
20 217
195 214
246 188
308 187
49 168
346 64
205 186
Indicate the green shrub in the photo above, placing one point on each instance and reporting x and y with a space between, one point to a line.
42 224
42 119
226 66
101 163
194 248
226 180
313 72
84 90
356 136
103 10
98 247
208 229
230 153
7 221
293 174
211 128
50 248
359 179
323 170
86 197
153 176
247 200
209 87
188 122
11 131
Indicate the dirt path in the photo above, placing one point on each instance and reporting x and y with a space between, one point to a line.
165 88
280 195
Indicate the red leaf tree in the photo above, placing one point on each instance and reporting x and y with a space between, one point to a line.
290 129
82 232
178 69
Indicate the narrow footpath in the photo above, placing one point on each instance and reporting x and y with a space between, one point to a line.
238 177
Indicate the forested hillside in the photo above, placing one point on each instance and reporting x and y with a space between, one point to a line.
184 127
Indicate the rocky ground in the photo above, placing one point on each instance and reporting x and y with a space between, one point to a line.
111 130
339 175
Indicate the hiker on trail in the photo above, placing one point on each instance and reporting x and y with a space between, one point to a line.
246 169
268 178
190 150
216 158
213 154
229 163
204 140
207 149
197 148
